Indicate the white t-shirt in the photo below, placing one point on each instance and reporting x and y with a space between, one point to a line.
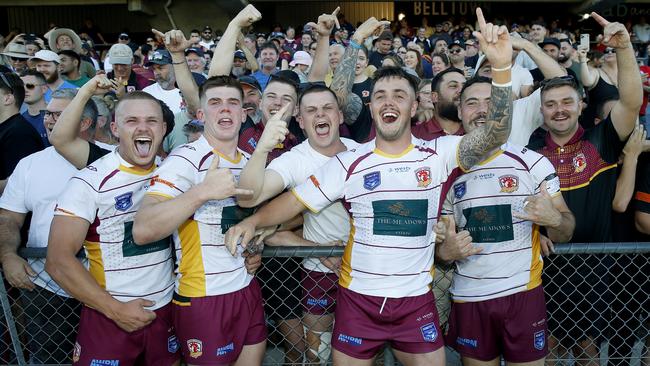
520 77
525 61
34 187
330 224
526 118
172 98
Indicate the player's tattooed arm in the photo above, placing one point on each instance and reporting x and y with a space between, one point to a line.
342 83
477 144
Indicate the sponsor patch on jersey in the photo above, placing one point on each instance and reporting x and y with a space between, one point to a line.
509 183
233 215
539 340
131 249
96 362
314 180
429 332
489 224
472 343
579 162
423 175
252 142
355 341
400 217
130 88
372 180
224 350
124 201
76 353
460 189
172 344
365 93
195 347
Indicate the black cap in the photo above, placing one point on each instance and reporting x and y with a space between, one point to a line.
457 43
385 35
207 27
198 51
251 81
554 41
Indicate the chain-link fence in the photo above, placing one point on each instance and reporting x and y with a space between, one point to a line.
597 298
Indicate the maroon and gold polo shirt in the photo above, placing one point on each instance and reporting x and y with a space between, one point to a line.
249 137
431 129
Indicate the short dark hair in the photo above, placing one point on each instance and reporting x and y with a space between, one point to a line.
72 54
316 88
195 31
34 73
474 80
538 22
557 82
396 72
219 81
167 114
443 57
12 84
437 80
269 45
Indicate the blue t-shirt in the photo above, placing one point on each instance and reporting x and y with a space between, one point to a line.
37 123
262 78
66 85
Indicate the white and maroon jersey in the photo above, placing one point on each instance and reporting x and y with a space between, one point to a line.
205 266
107 194
482 201
330 224
393 201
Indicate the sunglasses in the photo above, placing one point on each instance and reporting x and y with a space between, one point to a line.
17 59
124 38
609 50
7 83
32 86
455 50
54 115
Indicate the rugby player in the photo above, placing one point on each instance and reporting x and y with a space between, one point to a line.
501 204
391 186
126 288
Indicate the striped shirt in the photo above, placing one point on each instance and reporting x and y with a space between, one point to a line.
107 194
482 201
393 202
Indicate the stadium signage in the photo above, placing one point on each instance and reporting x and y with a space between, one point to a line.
447 7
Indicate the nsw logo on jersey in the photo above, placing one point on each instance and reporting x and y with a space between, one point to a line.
423 175
124 201
429 332
460 189
372 180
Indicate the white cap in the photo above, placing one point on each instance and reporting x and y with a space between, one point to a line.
46 55
301 58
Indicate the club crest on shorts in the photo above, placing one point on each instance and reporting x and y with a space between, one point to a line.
579 162
372 180
429 332
509 183
76 353
195 347
124 201
423 175
460 189
172 344
539 340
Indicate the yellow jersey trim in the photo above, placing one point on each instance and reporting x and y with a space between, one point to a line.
393 156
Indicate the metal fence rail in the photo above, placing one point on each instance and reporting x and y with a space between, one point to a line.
597 297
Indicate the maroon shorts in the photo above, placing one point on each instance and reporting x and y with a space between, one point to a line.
513 326
319 292
212 330
101 342
410 324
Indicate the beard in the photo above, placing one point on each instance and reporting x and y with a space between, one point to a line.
53 78
448 111
238 71
561 58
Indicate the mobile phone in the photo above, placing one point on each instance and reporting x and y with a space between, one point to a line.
584 40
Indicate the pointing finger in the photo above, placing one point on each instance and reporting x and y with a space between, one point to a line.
481 19
157 33
602 21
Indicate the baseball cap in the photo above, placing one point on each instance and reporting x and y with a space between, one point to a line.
240 54
385 35
250 81
198 51
124 36
456 43
277 35
301 58
46 55
159 57
120 54
207 27
554 41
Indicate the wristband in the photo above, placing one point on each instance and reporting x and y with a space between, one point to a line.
355 45
502 69
505 85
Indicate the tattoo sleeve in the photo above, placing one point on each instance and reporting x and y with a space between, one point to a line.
342 83
475 146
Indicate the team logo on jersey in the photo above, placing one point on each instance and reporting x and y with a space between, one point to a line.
423 175
76 353
195 347
365 93
124 201
579 162
460 189
130 88
509 183
371 180
539 340
172 344
429 332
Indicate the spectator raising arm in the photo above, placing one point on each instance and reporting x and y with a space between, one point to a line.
324 28
547 65
635 145
588 75
251 62
226 47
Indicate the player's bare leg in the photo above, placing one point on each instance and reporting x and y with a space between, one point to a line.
341 359
532 363
474 362
435 358
251 355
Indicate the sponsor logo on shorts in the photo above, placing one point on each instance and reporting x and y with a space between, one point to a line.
460 189
172 344
372 180
105 363
226 349
316 302
124 201
350 340
76 353
539 340
195 347
467 342
429 332
424 317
